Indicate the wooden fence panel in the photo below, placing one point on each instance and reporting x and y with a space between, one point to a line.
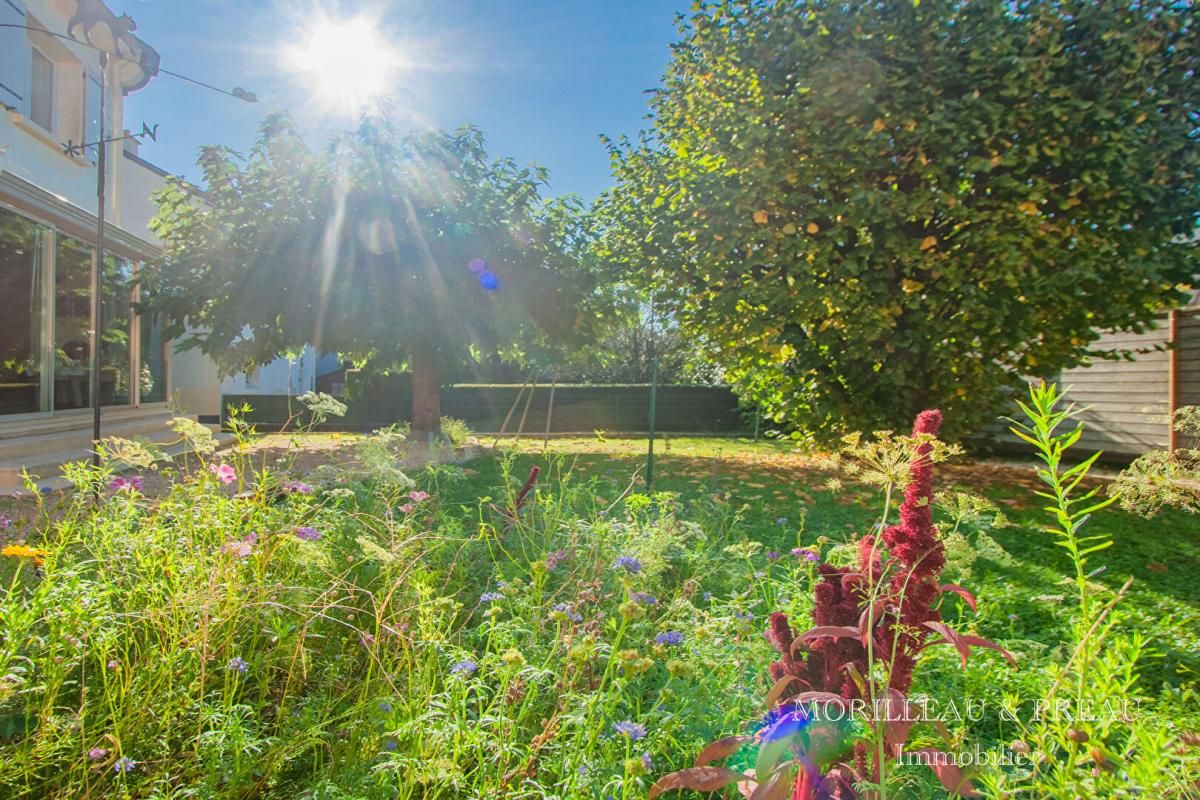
1126 401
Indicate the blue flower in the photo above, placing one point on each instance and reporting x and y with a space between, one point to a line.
707 597
646 762
464 667
124 764
306 534
385 706
390 745
781 520
568 612
490 597
629 564
238 664
669 639
632 730
744 616
645 598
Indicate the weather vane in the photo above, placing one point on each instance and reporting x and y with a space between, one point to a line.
73 149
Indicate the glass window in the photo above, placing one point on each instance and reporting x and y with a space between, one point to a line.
115 351
41 90
154 360
22 298
72 320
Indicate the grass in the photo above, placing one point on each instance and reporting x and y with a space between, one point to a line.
432 647
771 488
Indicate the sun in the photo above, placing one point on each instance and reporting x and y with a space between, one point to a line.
346 64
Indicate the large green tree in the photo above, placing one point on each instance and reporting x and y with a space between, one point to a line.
414 250
870 208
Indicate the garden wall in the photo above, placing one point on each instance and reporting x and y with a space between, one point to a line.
382 400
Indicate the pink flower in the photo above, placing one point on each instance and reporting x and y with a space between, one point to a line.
241 548
418 496
133 484
224 472
407 508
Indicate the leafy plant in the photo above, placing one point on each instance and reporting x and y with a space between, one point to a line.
872 623
355 245
864 209
1084 736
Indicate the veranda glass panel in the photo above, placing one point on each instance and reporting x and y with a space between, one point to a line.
154 362
22 290
72 314
115 367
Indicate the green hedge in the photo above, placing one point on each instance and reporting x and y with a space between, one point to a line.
382 400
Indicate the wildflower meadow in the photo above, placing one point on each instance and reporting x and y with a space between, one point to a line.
249 631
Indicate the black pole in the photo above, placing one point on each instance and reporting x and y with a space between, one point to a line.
98 268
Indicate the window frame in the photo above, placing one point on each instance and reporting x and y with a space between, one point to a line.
52 100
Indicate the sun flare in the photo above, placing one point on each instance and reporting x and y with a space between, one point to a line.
346 63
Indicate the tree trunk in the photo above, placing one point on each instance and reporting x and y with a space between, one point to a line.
426 402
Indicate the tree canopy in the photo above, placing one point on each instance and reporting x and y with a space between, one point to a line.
871 208
414 249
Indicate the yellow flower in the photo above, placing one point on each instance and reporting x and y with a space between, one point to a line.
22 551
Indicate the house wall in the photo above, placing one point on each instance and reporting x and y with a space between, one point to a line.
29 152
281 377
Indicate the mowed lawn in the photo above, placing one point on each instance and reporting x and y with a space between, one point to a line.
1018 575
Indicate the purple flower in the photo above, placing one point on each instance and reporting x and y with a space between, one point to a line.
629 564
646 762
631 730
124 764
464 667
669 639
5 522
306 534
366 639
568 612
556 558
744 616
224 472
772 555
490 597
645 598
805 554
97 754
133 484
407 508
299 487
238 664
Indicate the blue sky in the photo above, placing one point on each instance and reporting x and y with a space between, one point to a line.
542 78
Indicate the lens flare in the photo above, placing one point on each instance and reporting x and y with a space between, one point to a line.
477 265
489 281
346 63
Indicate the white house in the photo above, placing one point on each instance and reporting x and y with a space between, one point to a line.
50 91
